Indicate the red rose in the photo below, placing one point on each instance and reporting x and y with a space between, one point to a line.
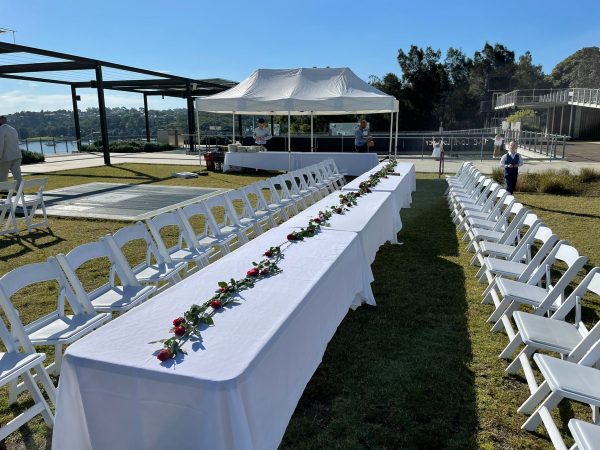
178 321
268 253
252 272
179 331
164 354
317 220
223 289
339 210
291 237
358 194
264 272
216 304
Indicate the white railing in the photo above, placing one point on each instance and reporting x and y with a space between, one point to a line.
537 97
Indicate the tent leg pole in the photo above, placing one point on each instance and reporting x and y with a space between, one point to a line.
233 128
289 142
391 133
312 146
396 140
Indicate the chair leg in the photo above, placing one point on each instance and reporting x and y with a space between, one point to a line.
515 364
510 349
57 359
44 378
495 316
38 398
536 419
534 399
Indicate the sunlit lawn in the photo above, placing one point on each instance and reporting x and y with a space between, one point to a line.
420 370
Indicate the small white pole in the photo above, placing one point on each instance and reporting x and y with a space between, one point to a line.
233 128
289 142
396 140
312 147
391 132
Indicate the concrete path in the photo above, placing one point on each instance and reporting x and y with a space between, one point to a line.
81 160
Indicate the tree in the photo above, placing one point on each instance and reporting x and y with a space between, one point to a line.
581 69
528 75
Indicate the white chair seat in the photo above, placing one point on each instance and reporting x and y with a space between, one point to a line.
482 223
480 234
586 435
504 268
521 292
571 380
494 249
65 329
155 273
12 364
121 298
187 255
548 334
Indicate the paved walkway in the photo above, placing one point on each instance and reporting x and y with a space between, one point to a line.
81 160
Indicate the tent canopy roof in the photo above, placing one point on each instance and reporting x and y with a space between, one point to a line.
300 92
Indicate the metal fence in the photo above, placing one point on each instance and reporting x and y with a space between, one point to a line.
550 145
549 97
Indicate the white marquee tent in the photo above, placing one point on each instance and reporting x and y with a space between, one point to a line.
302 91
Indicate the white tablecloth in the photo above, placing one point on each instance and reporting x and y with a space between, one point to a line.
239 386
401 187
373 218
347 163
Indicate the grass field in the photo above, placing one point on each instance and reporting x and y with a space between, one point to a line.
420 370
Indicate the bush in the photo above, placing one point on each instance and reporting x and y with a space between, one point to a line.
32 157
528 182
498 175
588 175
128 147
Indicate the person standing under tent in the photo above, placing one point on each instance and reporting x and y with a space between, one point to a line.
10 153
261 134
498 146
362 138
511 162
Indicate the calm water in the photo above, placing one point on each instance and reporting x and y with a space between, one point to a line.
47 148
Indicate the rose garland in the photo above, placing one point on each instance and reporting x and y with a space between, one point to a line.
186 327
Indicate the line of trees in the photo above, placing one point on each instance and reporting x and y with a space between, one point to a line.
433 89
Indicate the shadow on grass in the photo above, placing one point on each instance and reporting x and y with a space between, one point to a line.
396 376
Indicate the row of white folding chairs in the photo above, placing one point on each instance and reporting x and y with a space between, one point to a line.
127 286
515 279
28 196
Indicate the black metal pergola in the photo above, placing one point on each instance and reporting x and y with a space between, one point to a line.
60 68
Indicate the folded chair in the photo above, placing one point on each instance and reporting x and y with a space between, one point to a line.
110 296
554 334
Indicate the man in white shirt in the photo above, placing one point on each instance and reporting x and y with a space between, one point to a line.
10 153
261 133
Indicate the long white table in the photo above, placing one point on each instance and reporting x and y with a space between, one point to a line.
239 386
352 164
373 219
400 187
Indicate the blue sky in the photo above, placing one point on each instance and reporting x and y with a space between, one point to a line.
230 39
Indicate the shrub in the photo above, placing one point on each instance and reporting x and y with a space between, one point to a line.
528 182
498 175
588 175
32 157
128 147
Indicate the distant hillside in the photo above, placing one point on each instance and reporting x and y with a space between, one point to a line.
122 122
581 69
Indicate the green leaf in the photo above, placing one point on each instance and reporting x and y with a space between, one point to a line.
222 284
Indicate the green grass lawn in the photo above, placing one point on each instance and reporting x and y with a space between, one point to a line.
420 370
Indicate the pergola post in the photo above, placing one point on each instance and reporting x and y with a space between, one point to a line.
240 128
190 113
146 120
76 117
102 110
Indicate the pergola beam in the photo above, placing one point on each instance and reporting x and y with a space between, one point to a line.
45 67
37 79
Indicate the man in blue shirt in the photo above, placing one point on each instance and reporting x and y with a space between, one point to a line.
361 137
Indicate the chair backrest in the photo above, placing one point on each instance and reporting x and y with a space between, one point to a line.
239 196
566 254
31 274
519 212
294 183
199 210
255 198
37 185
91 251
136 232
280 181
7 217
267 185
545 239
215 207
523 248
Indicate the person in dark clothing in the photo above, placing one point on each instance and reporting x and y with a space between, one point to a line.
511 162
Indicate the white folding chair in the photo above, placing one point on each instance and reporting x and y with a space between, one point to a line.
15 365
334 171
217 206
308 183
154 268
31 203
337 179
303 198
208 235
531 293
555 333
563 380
586 435
287 203
257 206
185 249
325 186
8 221
243 213
281 183
55 328
276 209
109 297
